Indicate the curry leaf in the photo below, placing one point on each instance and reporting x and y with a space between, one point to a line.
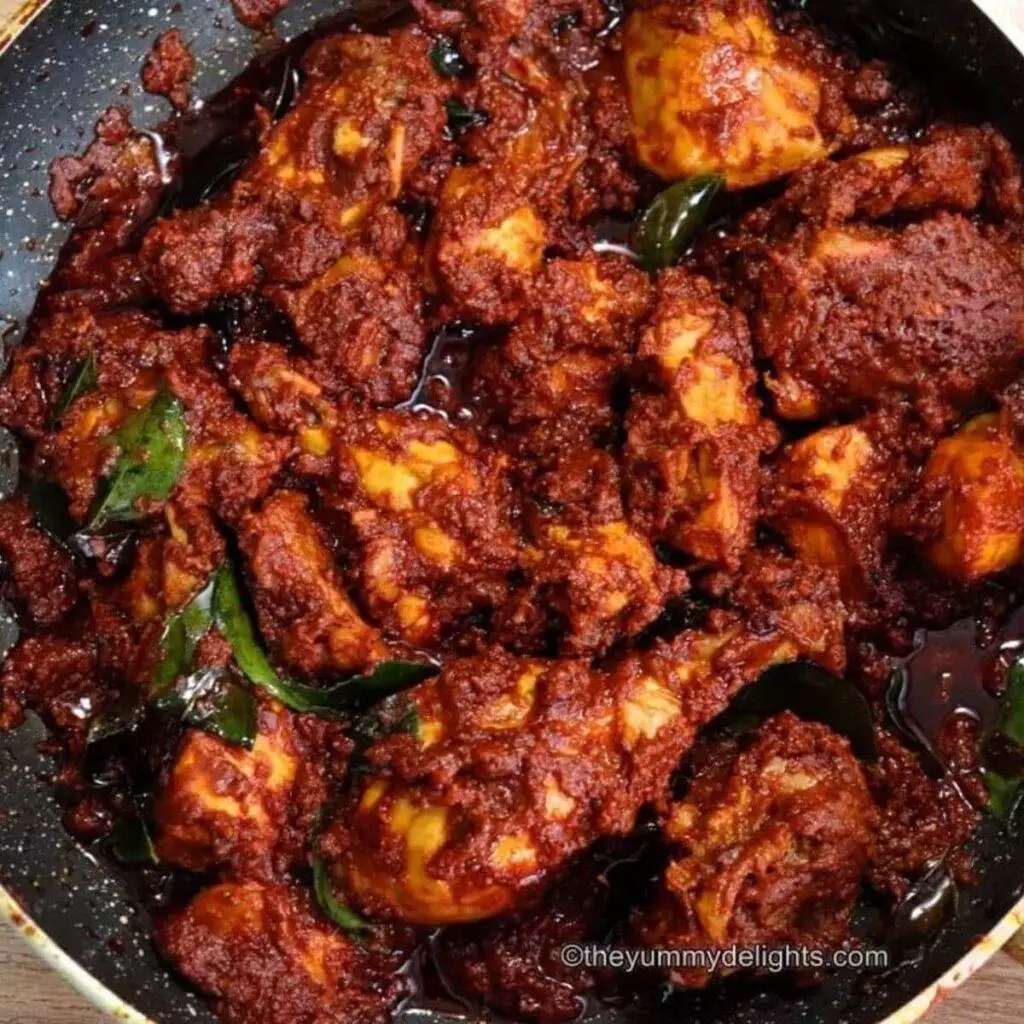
85 379
212 701
235 624
151 455
447 60
51 507
132 842
810 693
929 904
666 228
181 636
462 118
323 888
1005 778
230 713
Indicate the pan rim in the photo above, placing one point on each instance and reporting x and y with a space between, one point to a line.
100 996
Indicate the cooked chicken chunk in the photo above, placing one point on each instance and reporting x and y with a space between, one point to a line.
695 438
968 509
519 764
252 945
776 836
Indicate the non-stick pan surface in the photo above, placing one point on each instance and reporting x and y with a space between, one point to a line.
66 68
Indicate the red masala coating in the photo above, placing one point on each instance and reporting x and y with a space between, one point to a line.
572 340
934 310
249 812
514 965
250 944
429 508
169 68
776 836
831 495
921 820
257 14
306 616
346 148
517 765
53 676
604 450
848 311
694 440
43 574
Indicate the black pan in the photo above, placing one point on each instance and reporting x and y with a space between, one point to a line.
61 73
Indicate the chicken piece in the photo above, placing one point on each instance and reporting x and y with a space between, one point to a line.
123 345
370 114
934 310
262 953
305 614
695 439
828 496
589 583
588 578
284 392
496 217
968 510
42 571
517 765
569 346
56 677
363 322
514 964
251 811
550 384
82 451
960 169
714 88
777 837
229 462
848 312
171 569
430 511
372 111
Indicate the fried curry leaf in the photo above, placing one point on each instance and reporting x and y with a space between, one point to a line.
1004 799
181 636
132 843
119 719
392 716
462 119
323 888
51 508
208 699
212 701
235 624
447 61
810 693
229 713
669 224
85 379
1006 785
151 455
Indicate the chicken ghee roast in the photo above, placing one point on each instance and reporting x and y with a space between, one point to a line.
399 535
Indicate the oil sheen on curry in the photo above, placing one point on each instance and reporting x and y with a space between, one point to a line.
402 545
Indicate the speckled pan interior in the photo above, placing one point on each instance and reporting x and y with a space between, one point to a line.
71 63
